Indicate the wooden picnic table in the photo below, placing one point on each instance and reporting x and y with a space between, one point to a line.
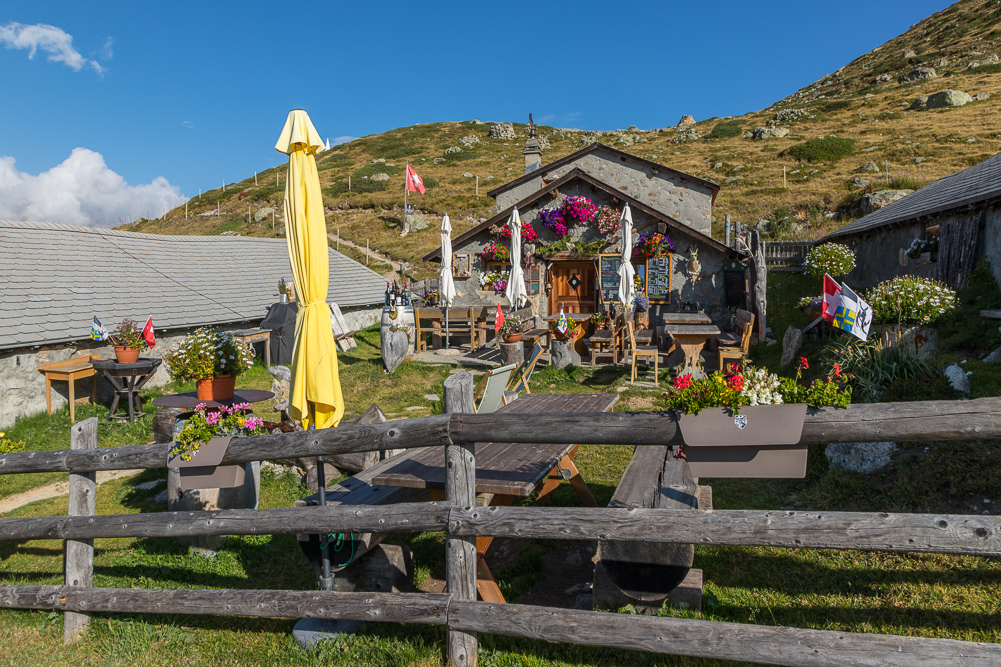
505 471
678 318
691 338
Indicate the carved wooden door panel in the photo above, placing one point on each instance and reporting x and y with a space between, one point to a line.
579 300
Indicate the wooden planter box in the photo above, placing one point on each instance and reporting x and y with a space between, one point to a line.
203 470
760 442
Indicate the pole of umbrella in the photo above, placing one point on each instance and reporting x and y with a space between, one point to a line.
326 581
446 326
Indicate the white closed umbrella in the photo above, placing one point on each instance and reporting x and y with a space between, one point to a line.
515 291
626 270
446 287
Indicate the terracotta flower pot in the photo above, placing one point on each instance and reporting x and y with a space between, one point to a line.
126 355
218 388
512 338
761 442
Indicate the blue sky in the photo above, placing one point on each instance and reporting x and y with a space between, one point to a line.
130 106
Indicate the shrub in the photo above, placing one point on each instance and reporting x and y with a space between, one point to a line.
358 186
910 300
833 105
831 258
400 151
726 130
823 149
872 366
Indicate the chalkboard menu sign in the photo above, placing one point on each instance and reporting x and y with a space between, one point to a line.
608 273
658 279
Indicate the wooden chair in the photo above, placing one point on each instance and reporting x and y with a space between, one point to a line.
461 324
491 392
606 342
526 374
736 344
420 345
642 351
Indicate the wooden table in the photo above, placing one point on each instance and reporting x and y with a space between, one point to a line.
133 376
679 318
70 371
256 336
505 471
191 400
691 338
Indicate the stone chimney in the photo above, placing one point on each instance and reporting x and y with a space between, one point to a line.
532 151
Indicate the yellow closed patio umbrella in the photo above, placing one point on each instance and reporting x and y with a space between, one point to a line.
315 394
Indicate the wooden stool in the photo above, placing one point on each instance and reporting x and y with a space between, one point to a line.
70 371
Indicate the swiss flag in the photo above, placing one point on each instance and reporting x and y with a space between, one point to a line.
832 298
499 320
148 332
414 182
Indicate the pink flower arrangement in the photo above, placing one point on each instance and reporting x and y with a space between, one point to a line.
554 219
496 253
527 233
580 209
608 219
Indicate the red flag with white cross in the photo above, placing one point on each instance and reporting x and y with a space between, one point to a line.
414 182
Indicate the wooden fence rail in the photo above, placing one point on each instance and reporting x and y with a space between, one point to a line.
919 421
462 522
786 255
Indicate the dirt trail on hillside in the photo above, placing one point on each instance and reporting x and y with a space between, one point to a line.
56 489
389 275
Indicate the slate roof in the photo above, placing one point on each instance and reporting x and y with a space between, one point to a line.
977 184
55 278
578 174
590 149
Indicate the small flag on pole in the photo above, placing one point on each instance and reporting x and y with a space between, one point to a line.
414 182
148 332
561 322
97 330
853 315
499 320
832 298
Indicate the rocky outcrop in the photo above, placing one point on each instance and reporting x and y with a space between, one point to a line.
947 98
919 103
502 131
871 167
917 74
769 132
877 200
791 115
686 120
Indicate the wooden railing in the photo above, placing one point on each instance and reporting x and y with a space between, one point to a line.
786 255
462 521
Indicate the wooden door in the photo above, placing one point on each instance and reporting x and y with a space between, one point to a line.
581 300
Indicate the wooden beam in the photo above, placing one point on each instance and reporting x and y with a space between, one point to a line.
718 640
918 421
79 561
428 608
399 518
460 490
866 531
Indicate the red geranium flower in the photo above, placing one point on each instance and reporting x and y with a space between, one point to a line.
737 383
683 381
803 364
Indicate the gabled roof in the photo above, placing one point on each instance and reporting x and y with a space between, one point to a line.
573 175
55 278
975 185
590 149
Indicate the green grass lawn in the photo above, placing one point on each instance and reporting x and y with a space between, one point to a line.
919 595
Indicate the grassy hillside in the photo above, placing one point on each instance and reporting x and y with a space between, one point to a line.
856 115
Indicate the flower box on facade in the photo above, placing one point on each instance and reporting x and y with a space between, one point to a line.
203 470
760 442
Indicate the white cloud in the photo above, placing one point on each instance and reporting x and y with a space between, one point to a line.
56 42
80 191
188 124
342 140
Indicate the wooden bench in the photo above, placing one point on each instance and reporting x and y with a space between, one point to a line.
646 574
70 371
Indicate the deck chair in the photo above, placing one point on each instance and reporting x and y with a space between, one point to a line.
735 345
642 351
526 368
491 392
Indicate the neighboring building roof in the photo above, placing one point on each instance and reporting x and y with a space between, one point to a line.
55 278
978 184
578 174
590 149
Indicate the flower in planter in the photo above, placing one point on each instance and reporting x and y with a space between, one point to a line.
283 288
608 220
496 253
831 258
9 446
641 303
554 219
512 326
580 209
528 234
128 334
653 244
208 353
911 300
563 336
921 246
204 425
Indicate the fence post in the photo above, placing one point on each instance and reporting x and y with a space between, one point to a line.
79 565
460 489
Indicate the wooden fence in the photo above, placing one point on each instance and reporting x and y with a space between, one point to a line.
786 255
462 521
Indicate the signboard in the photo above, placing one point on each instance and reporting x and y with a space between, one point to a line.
736 285
608 275
658 279
410 208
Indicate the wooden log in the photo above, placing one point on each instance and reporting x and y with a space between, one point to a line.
428 608
79 565
361 460
718 640
401 518
918 421
460 490
163 423
975 535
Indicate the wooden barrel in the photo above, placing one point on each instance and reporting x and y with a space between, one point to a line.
404 317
